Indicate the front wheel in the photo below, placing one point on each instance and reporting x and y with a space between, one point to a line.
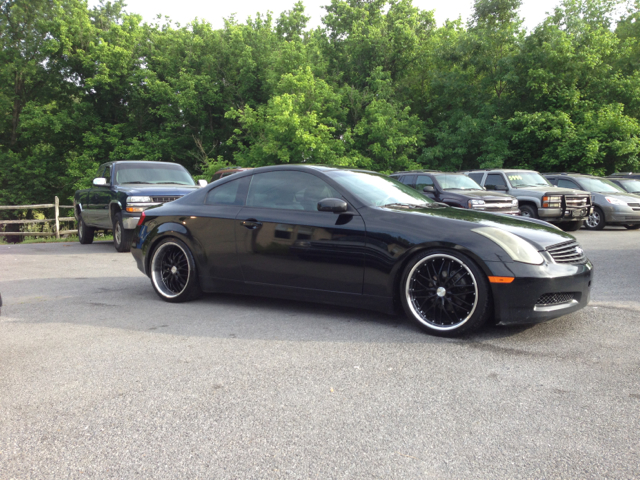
173 271
122 237
571 226
632 227
595 221
528 211
445 293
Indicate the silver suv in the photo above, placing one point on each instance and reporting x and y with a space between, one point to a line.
612 205
566 207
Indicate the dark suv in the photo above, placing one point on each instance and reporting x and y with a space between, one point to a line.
612 205
458 190
630 182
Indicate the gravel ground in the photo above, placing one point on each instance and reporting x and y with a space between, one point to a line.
101 379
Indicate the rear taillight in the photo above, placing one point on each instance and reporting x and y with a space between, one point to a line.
142 215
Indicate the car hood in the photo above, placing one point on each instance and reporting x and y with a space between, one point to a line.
483 194
624 197
552 190
157 189
541 234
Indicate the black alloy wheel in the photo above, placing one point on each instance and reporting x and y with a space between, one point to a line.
445 293
173 271
528 211
85 234
596 220
122 237
632 227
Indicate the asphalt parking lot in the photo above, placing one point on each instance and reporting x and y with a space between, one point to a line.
101 379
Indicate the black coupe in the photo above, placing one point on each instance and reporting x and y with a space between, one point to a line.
359 238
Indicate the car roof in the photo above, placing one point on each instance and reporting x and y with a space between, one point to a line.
140 161
479 170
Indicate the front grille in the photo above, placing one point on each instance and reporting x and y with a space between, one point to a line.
498 205
554 299
576 201
634 204
165 199
567 252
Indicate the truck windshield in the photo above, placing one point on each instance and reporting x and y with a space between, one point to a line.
152 173
457 182
527 179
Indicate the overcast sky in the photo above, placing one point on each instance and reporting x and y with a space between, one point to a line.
213 11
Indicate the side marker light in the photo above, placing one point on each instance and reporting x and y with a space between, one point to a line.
501 279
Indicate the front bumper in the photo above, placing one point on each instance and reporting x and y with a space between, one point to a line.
130 220
620 215
518 302
559 215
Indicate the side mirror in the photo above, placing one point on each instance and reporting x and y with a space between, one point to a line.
100 182
202 183
429 189
335 205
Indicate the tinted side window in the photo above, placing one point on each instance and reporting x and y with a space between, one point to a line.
107 174
227 194
477 177
288 190
216 177
567 183
495 179
423 181
408 179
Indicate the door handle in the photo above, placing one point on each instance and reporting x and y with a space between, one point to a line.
251 223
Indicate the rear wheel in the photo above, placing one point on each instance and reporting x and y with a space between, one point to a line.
173 271
528 211
595 221
121 237
571 226
85 234
632 227
445 293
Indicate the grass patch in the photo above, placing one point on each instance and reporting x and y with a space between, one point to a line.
72 238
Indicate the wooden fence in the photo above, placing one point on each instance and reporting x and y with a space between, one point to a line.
57 219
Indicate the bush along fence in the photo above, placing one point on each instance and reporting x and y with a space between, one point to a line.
56 218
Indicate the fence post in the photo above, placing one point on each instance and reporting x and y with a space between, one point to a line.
57 214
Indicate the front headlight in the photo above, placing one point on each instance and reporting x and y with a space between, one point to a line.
615 201
551 201
518 249
476 203
139 200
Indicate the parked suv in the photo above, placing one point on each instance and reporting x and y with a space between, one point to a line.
458 190
630 182
568 208
121 191
612 205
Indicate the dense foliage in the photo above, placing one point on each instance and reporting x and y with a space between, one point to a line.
378 86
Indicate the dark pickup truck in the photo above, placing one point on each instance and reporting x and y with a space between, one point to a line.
121 191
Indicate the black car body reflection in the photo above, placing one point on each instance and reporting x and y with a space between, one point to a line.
379 247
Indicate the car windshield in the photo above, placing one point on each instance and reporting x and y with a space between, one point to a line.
631 185
374 189
457 182
153 173
527 179
599 185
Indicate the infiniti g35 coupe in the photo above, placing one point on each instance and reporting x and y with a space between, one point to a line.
359 238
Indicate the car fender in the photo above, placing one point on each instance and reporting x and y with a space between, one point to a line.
177 230
522 199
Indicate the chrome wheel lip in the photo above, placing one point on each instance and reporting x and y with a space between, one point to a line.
80 229
418 316
117 234
156 273
593 220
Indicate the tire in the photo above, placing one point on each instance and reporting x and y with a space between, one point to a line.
571 226
632 227
122 237
438 306
85 234
173 272
596 220
528 211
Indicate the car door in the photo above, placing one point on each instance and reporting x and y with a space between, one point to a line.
102 196
90 205
282 239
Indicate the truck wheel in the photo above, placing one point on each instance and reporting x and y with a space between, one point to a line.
632 227
121 237
174 274
528 211
595 221
571 226
85 234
